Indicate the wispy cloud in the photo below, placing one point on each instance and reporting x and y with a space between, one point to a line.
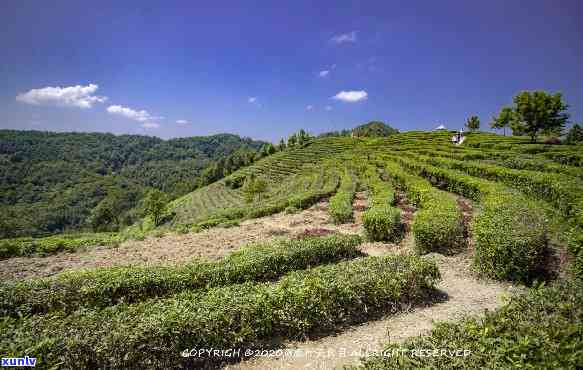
328 107
150 125
309 107
324 73
137 115
344 38
72 96
351 96
255 101
182 122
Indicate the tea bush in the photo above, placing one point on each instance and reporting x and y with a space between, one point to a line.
341 203
153 334
53 244
382 221
510 233
540 329
438 224
109 286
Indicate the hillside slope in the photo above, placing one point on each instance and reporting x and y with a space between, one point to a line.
49 182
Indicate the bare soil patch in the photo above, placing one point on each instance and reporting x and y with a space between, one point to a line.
180 248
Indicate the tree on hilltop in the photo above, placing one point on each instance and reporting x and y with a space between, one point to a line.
473 123
534 113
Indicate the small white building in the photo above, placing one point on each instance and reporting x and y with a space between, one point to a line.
440 127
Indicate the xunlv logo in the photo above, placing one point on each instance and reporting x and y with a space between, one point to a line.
19 361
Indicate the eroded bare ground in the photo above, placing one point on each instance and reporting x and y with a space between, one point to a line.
462 294
180 248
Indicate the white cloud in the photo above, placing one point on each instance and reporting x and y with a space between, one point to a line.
150 125
137 115
345 37
309 107
324 73
328 107
252 99
72 96
182 122
351 96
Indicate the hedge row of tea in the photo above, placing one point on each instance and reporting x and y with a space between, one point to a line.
438 224
53 244
341 203
109 286
510 232
541 329
562 191
154 333
381 221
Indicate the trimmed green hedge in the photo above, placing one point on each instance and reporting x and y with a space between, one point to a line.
438 224
510 233
153 334
53 244
541 329
109 286
382 221
341 203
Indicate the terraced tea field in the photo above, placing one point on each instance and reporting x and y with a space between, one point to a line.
452 227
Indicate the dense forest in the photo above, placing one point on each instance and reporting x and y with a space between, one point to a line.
54 182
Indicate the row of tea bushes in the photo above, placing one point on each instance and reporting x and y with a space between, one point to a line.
153 334
540 329
562 191
510 232
56 243
381 221
438 223
109 286
341 203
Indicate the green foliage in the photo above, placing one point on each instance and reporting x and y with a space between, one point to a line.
533 113
510 232
155 332
438 224
56 243
340 208
104 287
575 135
381 221
155 206
374 129
539 329
473 123
54 181
253 188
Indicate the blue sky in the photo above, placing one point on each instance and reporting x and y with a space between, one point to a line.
257 68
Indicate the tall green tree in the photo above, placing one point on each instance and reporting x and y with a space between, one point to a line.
281 145
503 119
155 205
473 123
575 135
536 112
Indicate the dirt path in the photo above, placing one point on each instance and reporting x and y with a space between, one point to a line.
181 248
463 294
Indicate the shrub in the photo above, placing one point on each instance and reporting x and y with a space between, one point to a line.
382 223
341 203
539 329
438 224
152 334
108 286
53 244
510 230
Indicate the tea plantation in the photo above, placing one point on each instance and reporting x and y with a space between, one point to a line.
526 228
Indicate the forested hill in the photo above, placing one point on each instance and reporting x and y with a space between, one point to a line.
50 182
